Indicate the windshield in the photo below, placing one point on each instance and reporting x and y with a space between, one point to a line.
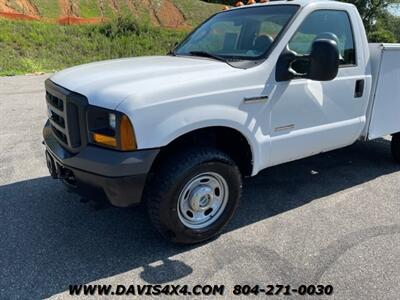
245 34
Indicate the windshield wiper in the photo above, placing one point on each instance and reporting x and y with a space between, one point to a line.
208 54
172 53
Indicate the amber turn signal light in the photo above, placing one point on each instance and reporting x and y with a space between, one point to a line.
104 139
127 135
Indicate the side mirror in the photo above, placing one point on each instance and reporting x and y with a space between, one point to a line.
321 65
324 60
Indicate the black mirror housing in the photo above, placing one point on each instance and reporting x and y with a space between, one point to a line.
324 60
321 65
283 66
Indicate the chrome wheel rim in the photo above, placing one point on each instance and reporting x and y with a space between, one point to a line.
202 200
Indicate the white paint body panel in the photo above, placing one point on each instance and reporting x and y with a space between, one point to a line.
108 83
325 115
385 99
166 97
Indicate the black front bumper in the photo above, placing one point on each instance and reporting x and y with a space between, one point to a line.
100 174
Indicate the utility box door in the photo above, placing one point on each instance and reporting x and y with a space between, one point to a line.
385 115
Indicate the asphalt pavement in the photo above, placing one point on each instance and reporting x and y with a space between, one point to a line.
330 219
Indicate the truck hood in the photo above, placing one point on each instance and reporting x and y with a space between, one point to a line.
108 83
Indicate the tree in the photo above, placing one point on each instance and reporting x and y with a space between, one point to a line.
372 10
381 36
388 23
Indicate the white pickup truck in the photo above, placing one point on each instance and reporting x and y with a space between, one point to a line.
250 88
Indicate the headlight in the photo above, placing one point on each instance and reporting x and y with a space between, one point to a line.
112 121
110 129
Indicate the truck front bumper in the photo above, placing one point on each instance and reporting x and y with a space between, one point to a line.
100 174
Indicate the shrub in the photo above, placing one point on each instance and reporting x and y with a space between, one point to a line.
123 25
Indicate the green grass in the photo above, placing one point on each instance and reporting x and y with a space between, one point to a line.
197 11
48 8
28 47
89 9
108 12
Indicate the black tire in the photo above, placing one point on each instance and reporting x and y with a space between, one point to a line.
170 178
396 147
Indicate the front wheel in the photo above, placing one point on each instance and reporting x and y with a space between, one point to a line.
396 147
193 195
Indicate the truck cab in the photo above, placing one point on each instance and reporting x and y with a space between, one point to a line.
251 87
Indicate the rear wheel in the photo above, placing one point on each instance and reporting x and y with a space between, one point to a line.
396 147
193 195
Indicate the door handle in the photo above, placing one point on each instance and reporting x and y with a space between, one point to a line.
359 90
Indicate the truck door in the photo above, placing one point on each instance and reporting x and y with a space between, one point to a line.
308 117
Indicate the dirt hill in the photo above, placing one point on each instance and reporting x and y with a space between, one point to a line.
165 13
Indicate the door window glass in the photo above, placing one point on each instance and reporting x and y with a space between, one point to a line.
329 24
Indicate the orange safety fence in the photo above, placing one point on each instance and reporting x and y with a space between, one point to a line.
18 16
68 20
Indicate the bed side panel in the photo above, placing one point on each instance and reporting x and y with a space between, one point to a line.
385 117
373 65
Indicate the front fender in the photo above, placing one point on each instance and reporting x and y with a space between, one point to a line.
160 131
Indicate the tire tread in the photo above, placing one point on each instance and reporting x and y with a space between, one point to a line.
167 174
395 146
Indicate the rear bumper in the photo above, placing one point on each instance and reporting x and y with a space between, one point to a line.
100 174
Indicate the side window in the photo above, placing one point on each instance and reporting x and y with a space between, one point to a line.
331 24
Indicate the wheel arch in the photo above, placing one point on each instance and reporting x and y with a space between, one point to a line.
230 140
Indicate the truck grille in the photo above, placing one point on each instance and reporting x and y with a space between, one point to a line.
66 116
55 102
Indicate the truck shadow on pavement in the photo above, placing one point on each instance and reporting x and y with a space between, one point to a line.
50 240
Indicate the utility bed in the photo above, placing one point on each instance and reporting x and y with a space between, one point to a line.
385 102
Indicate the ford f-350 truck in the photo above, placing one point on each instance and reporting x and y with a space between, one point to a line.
251 87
